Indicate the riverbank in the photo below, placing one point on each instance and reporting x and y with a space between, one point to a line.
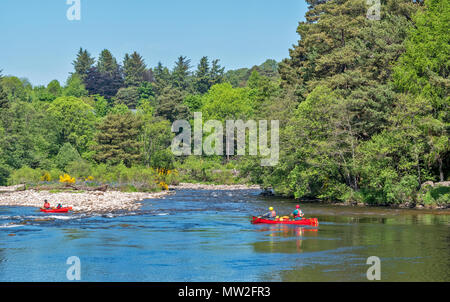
85 202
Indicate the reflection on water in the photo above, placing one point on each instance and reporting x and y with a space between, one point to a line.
208 234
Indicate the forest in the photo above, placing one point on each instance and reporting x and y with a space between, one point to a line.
363 108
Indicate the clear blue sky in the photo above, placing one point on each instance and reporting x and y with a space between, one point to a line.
39 43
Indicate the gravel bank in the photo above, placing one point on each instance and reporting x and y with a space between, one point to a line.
88 202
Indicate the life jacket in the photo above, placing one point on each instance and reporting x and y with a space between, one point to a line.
46 205
297 213
273 214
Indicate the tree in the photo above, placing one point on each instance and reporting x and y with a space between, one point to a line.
423 71
202 76
216 75
28 135
54 88
224 102
129 96
83 63
76 122
66 155
161 75
104 84
117 140
134 69
180 74
207 76
75 87
106 63
171 105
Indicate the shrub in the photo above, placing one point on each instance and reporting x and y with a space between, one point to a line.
25 175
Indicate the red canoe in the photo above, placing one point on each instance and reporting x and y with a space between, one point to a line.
62 210
304 221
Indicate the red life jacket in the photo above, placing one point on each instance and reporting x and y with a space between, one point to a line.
46 205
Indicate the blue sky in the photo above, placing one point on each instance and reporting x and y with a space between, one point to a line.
39 43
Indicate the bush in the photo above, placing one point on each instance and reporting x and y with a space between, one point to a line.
25 175
79 169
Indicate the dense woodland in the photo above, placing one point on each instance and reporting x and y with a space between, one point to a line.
363 107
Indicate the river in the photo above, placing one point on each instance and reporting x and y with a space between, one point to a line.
207 236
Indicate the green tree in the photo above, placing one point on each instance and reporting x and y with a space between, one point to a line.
75 87
181 74
134 69
66 155
117 140
76 122
106 63
129 96
202 76
171 105
54 88
423 71
83 63
162 78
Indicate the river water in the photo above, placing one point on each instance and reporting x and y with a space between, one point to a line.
198 235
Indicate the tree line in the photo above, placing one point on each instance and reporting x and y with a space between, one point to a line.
363 107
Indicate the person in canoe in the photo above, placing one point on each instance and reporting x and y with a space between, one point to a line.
270 215
297 214
59 206
46 205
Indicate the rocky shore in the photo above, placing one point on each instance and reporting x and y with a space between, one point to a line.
86 202
191 186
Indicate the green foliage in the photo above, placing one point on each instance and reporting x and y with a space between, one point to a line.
129 96
83 63
76 121
75 87
117 140
25 175
66 154
225 102
134 69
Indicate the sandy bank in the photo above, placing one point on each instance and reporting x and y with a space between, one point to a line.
98 202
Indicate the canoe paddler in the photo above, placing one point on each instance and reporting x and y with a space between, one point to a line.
271 214
297 214
46 204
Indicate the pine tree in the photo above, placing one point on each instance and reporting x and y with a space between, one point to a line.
83 63
180 73
134 69
117 140
106 63
202 76
161 75
216 76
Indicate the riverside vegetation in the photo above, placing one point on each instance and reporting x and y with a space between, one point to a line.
363 107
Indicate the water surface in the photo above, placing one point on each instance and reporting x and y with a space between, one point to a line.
206 236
